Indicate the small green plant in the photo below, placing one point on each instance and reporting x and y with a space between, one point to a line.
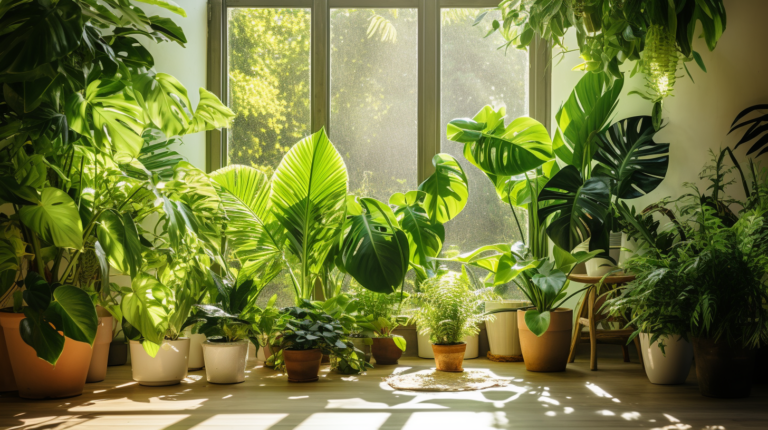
449 310
377 314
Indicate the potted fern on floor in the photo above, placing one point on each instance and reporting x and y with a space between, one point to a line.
449 310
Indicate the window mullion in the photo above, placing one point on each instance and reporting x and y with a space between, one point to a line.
320 67
429 86
539 81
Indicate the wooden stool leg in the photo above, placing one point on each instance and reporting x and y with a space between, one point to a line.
625 351
577 329
639 351
592 331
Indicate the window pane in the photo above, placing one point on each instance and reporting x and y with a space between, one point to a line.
374 98
269 76
475 73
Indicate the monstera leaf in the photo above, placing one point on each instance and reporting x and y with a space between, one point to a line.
425 238
579 207
146 309
119 238
521 146
515 190
210 114
375 251
584 115
55 218
309 190
164 101
628 156
446 190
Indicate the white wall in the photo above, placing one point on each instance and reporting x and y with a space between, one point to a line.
188 64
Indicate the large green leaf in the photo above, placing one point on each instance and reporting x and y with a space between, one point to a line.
37 293
210 113
308 197
36 34
55 218
164 101
495 149
537 322
167 4
585 114
446 190
628 156
77 312
580 207
111 234
425 238
39 334
146 308
375 250
254 233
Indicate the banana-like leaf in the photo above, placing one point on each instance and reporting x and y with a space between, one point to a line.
375 251
501 150
627 154
38 35
758 128
145 307
308 197
585 114
580 207
55 218
254 233
425 238
164 101
446 190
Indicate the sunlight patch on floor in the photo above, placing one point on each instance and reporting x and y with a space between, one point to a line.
344 421
251 421
457 420
126 405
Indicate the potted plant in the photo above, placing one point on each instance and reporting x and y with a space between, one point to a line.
268 326
309 332
449 310
377 314
651 303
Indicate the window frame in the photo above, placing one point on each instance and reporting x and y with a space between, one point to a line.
429 128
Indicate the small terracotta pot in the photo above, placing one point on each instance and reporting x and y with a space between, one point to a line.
97 370
385 351
548 353
449 358
723 371
37 379
7 381
302 365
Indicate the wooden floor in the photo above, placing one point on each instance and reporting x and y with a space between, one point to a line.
617 396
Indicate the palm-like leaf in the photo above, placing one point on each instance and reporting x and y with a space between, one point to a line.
628 156
308 196
375 251
255 235
758 128
581 207
501 150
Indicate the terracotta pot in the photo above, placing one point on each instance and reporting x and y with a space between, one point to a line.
548 353
671 367
225 361
449 358
168 367
37 379
302 365
97 371
7 381
118 353
425 346
723 370
385 351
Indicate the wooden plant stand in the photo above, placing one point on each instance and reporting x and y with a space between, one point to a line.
588 316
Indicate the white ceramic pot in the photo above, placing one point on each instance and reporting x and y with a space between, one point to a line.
168 367
503 336
601 266
196 361
225 361
670 368
425 346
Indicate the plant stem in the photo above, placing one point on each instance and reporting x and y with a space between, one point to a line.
514 214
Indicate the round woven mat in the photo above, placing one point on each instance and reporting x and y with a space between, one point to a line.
434 380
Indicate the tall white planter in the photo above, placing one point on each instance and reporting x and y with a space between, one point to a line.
425 347
168 367
503 337
670 368
225 361
196 361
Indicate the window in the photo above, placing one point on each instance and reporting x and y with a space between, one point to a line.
383 77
